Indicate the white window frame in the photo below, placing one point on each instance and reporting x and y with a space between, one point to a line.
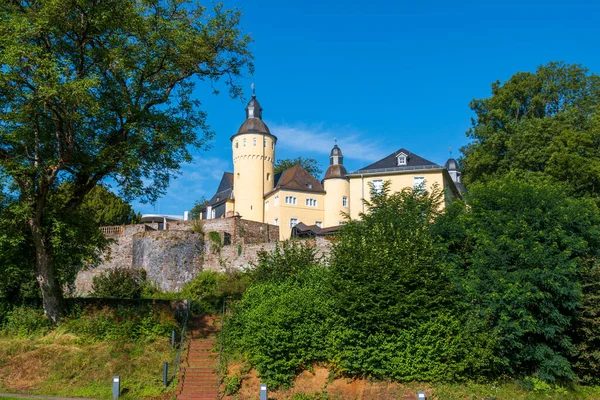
402 159
276 201
345 201
293 222
267 205
264 142
319 224
311 202
292 200
254 142
244 142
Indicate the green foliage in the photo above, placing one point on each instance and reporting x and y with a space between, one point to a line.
215 241
539 122
106 208
385 268
119 283
281 327
209 289
286 261
121 323
309 164
115 104
24 321
587 325
444 348
515 252
233 384
196 211
315 396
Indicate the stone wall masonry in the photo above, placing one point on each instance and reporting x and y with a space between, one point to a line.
170 258
175 256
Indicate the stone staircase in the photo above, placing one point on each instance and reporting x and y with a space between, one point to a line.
198 372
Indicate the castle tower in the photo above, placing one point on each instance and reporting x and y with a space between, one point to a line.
253 148
337 186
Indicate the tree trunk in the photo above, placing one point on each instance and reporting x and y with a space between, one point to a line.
52 296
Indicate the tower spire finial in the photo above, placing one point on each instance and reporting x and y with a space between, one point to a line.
253 90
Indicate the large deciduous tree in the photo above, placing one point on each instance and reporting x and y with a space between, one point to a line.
96 89
544 122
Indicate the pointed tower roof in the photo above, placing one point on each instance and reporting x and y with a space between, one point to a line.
336 168
254 122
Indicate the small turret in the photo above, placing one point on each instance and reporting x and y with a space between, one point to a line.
336 165
337 188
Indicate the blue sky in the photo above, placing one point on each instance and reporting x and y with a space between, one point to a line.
379 75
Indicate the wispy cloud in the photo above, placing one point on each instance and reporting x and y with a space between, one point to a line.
320 139
197 179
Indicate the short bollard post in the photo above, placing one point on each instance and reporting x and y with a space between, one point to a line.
263 391
421 395
165 374
173 339
116 387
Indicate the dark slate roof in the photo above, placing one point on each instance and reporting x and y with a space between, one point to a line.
390 163
303 230
224 191
451 165
297 178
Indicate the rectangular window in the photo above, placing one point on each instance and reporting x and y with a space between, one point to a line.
293 222
418 182
266 206
377 186
319 224
264 142
254 142
342 223
311 202
290 200
276 222
344 201
276 200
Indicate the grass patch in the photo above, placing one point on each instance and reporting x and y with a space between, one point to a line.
63 365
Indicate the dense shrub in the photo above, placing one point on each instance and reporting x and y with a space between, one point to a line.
282 327
24 321
209 289
386 269
119 283
285 262
122 322
445 348
517 251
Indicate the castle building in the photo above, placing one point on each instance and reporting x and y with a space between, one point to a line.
297 202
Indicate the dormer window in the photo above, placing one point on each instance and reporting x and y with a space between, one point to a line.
309 185
401 159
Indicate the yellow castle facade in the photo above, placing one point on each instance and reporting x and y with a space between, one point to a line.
296 201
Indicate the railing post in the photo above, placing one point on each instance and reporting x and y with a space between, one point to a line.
166 374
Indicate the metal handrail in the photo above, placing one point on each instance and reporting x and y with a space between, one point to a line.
183 334
221 350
